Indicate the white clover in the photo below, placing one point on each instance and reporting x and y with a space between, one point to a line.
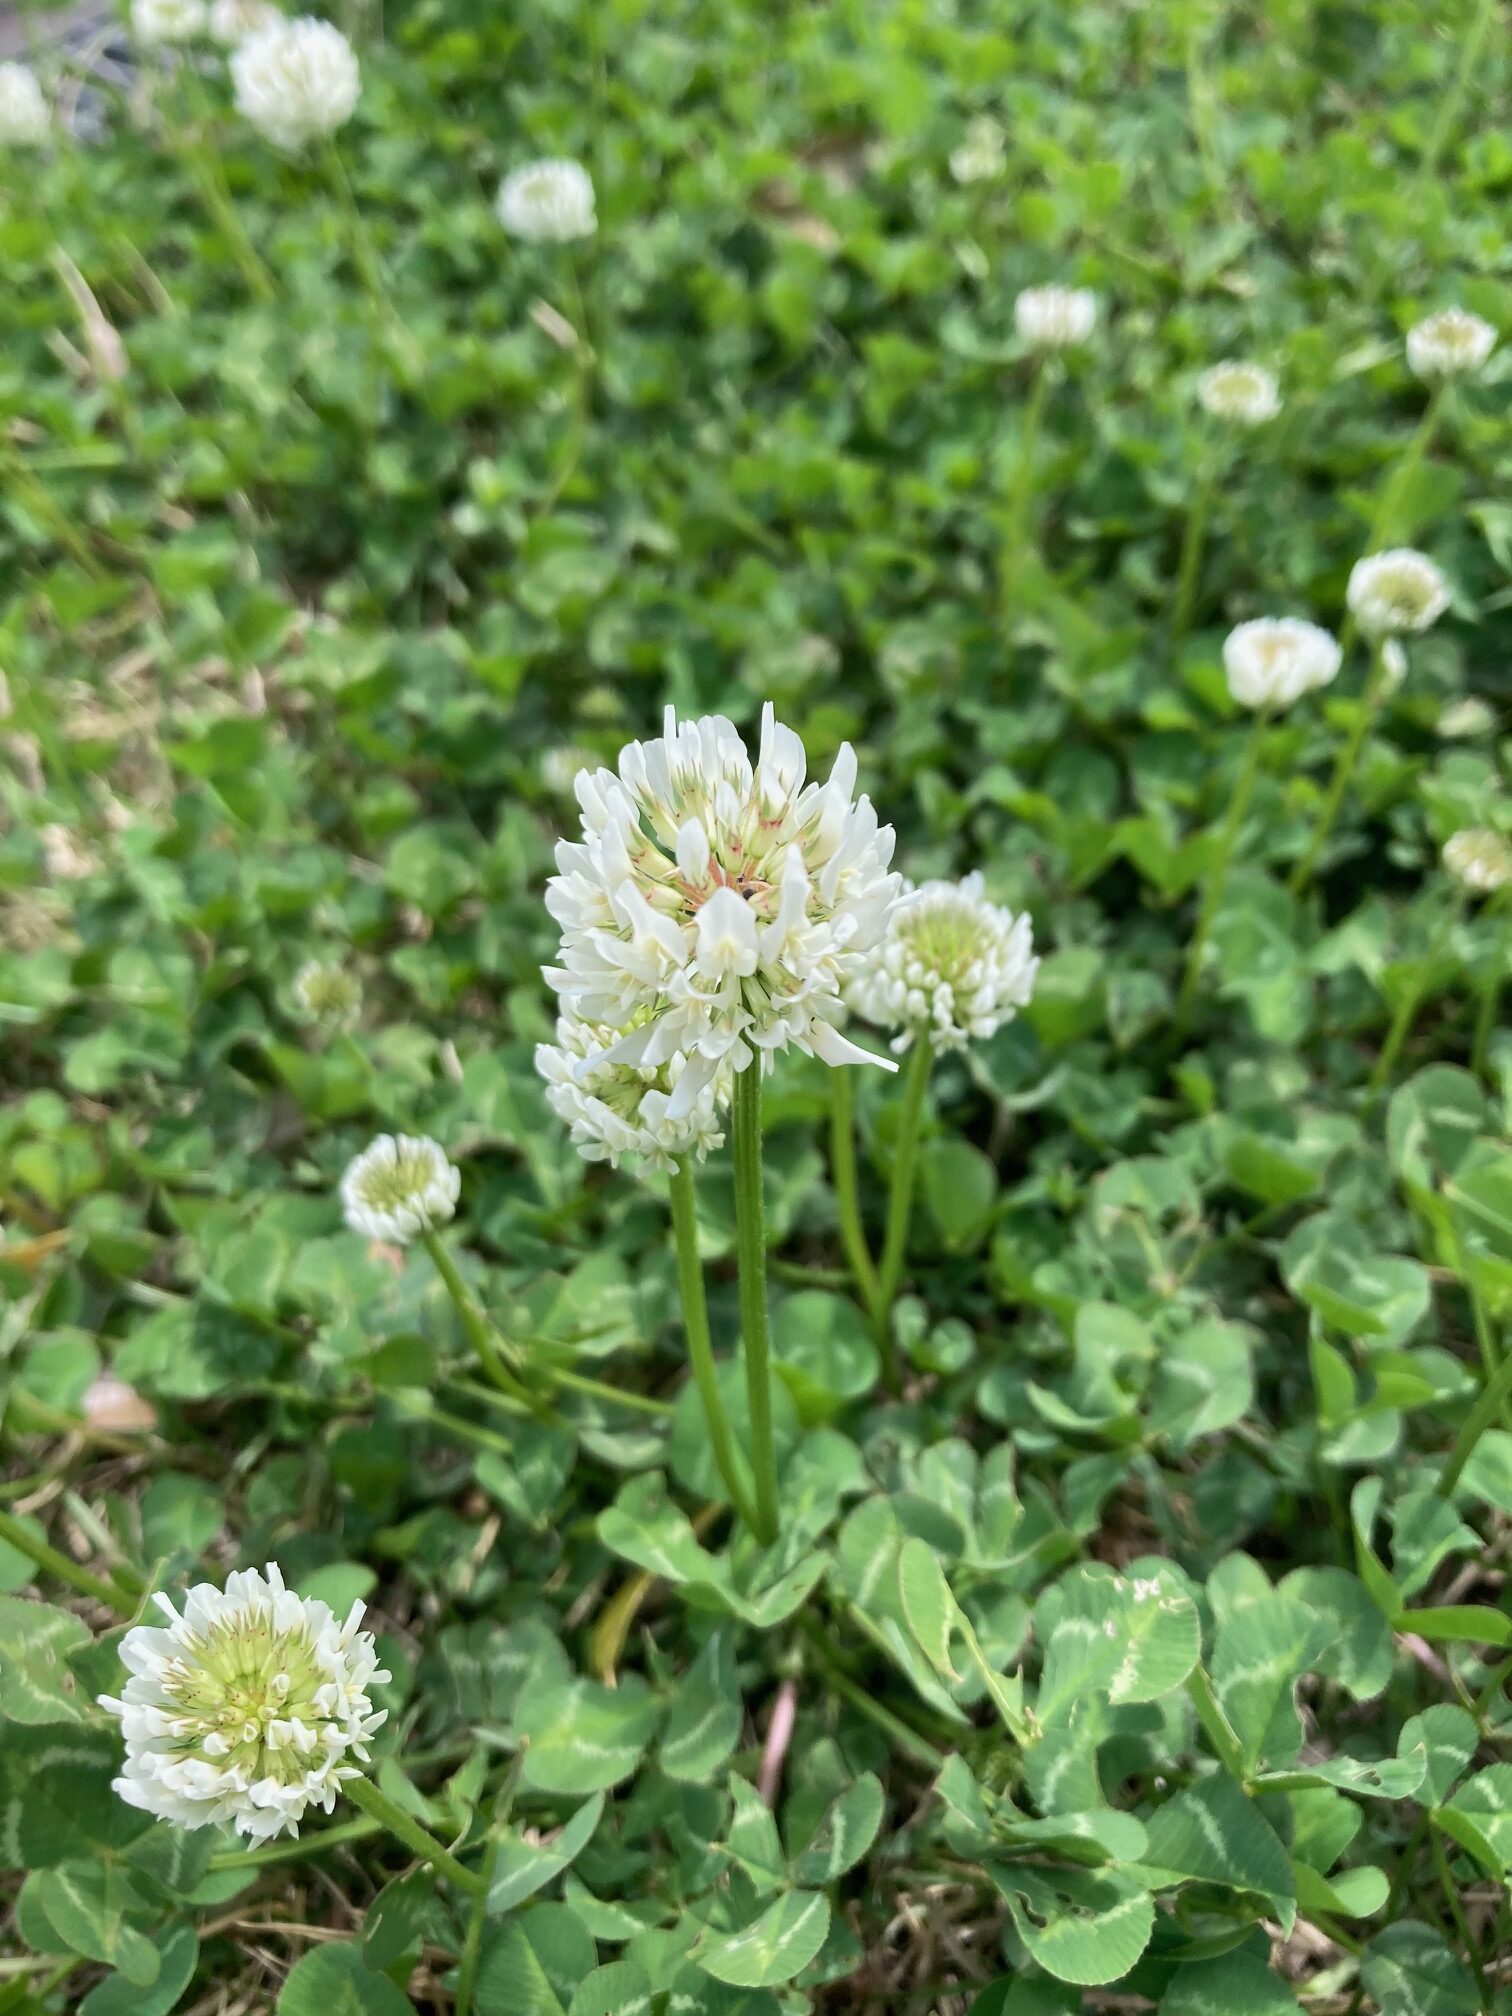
1480 858
296 81
617 1110
24 118
163 21
248 1709
1055 318
399 1186
548 202
232 21
1464 719
980 156
952 966
1276 659
715 908
327 994
560 767
1399 590
1451 344
1246 394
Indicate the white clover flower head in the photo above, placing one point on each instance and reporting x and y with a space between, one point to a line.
715 907
1450 344
1276 659
232 21
952 966
618 1110
548 203
248 1709
24 118
1399 590
1463 720
1246 394
1479 857
980 156
399 1186
163 21
296 81
1055 318
328 994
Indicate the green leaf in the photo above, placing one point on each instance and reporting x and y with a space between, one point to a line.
704 1721
1238 1984
1260 1652
1408 1970
1479 1818
1080 1926
778 1946
334 1980
1212 1833
580 1737
623 1988
927 1603
844 1834
534 1965
1448 1734
88 1905
36 1682
119 1995
522 1867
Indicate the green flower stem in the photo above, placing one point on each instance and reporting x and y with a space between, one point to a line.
298 1850
1494 1395
62 1569
907 1739
472 1944
1485 1015
1412 997
1344 770
1461 1923
1383 522
750 1242
1189 566
1481 22
1215 1723
480 1332
900 1199
690 1281
843 1172
1217 875
1016 535
377 1805
369 267
205 171
1200 105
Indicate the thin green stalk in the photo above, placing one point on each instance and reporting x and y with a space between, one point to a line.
472 1944
205 171
1494 1395
600 1389
1016 535
750 1243
847 1192
1485 1016
50 513
1215 1723
1413 996
1461 1923
365 258
233 1861
1217 875
908 1739
1199 101
410 1834
690 1281
900 1198
1454 102
1383 521
1344 770
62 1569
480 1332
1189 567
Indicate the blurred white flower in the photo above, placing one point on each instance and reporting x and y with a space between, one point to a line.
24 118
161 21
560 767
1395 591
1055 318
296 81
1276 659
1480 858
1244 393
615 1110
1393 665
232 21
247 1709
327 993
548 202
1451 344
952 966
715 907
1464 719
112 1406
980 155
399 1186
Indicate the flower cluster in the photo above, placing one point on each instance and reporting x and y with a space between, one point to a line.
548 202
1246 394
327 994
980 156
618 1110
295 81
160 22
398 1187
951 965
246 1709
1276 659
232 21
1480 858
1399 590
1451 344
24 119
1055 318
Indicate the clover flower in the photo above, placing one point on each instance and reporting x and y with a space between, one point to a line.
952 966
1276 659
24 117
1395 591
715 908
115 1408
979 158
548 202
1055 318
618 1110
399 1186
1464 719
1451 344
326 993
232 21
247 1708
296 81
164 21
1247 394
1480 858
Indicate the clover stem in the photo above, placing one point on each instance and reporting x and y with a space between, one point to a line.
1494 1395
377 1805
847 1189
1189 566
1344 770
900 1199
479 1331
1217 875
20 1536
695 1307
750 1242
1022 488
1405 1013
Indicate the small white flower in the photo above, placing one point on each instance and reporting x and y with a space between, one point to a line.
24 117
980 156
1247 394
548 202
952 966
1451 344
115 1408
232 21
328 994
1467 718
399 1186
247 1709
296 81
1055 318
1276 659
163 21
614 1110
560 767
1480 858
1395 591
716 907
